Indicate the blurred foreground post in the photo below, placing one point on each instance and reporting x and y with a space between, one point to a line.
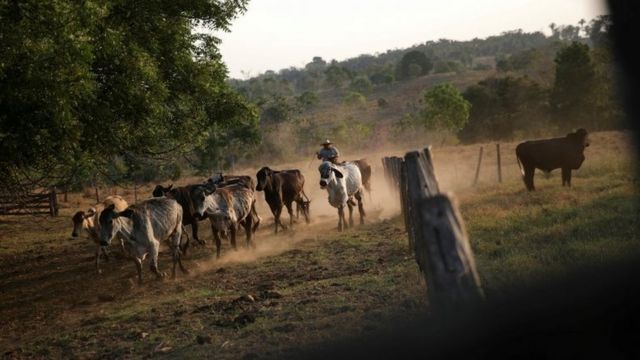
436 234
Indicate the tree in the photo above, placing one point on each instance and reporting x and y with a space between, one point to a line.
572 95
503 107
414 58
85 81
444 108
336 76
355 99
361 84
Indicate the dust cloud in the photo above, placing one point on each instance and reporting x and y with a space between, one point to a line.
382 203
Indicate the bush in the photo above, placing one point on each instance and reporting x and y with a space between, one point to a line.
355 99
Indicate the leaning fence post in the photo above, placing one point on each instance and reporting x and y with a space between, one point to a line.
499 162
448 261
475 180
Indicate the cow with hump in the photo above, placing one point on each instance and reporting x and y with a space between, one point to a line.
227 208
89 222
149 222
343 183
281 189
566 153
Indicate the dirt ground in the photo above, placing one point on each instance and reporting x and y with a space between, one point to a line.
305 286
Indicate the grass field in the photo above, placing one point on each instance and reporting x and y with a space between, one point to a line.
312 284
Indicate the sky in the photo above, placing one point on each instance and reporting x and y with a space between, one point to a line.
277 34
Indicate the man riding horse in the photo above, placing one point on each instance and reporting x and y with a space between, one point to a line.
328 152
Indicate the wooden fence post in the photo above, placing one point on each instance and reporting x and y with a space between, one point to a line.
447 258
135 191
475 180
53 202
499 162
404 203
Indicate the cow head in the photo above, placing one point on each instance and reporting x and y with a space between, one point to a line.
199 196
264 178
160 191
328 174
108 227
216 178
80 220
580 137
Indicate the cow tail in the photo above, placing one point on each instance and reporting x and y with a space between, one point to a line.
305 195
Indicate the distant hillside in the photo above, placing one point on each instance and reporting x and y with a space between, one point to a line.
365 101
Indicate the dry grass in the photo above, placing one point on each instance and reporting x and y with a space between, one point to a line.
312 284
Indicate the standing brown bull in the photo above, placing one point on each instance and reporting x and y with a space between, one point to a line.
565 153
282 188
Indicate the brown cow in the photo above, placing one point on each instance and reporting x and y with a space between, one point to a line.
565 153
282 188
365 171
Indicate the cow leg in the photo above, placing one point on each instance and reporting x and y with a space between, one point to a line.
154 249
97 259
350 205
105 252
248 225
184 246
175 240
566 177
290 210
276 217
216 237
194 231
138 262
340 218
233 230
528 177
360 207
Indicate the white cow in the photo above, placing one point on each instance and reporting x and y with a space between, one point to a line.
149 222
343 183
88 222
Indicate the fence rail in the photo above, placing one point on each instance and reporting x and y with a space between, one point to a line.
29 204
435 230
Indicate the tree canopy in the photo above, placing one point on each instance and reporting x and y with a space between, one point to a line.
82 82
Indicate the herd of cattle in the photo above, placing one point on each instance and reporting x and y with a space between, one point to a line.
228 201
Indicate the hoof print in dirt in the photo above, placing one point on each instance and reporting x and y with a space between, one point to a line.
244 319
286 328
270 294
203 339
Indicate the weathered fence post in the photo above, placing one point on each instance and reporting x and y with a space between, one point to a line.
437 235
448 262
404 203
475 180
499 162
135 191
53 202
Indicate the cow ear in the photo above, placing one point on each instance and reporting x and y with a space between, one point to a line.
126 213
90 212
338 173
